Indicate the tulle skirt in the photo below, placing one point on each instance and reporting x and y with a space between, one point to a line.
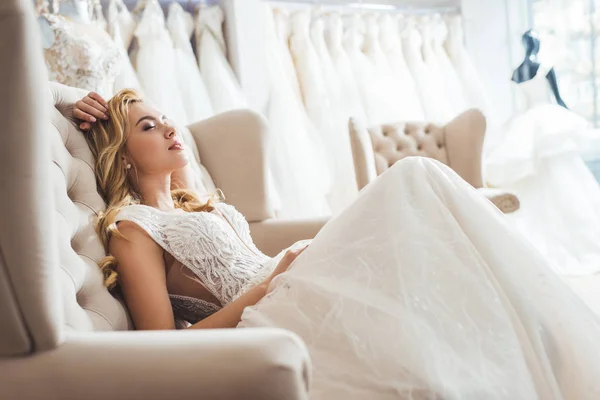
420 289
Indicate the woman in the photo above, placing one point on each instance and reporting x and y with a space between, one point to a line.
418 290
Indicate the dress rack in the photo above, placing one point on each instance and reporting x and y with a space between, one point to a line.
406 7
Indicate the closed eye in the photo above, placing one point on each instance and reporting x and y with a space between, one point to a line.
148 127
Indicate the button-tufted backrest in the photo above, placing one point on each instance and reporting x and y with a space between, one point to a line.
457 144
88 305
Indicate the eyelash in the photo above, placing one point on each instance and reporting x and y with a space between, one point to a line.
149 127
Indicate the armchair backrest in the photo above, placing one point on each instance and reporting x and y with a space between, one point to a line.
458 144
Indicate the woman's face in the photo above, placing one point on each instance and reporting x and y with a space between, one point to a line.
153 146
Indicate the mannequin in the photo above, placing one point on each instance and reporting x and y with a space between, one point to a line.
531 65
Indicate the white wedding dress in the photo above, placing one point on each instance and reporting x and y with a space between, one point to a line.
434 106
351 104
386 106
410 103
118 17
434 72
295 165
319 106
155 63
420 289
191 85
222 85
469 77
538 158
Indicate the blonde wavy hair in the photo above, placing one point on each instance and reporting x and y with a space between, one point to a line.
107 140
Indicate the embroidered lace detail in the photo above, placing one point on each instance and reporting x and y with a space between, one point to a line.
216 247
191 309
82 55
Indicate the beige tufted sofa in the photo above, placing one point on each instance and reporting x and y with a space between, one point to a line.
458 144
63 336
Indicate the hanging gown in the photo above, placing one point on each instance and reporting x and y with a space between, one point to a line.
410 103
538 159
434 107
292 158
420 289
434 73
319 157
335 132
351 103
222 85
191 85
127 78
362 68
386 107
454 87
469 77
155 63
80 54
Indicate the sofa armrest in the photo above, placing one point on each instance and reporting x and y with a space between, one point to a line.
272 235
233 147
247 363
506 201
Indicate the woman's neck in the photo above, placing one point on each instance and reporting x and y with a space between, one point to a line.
156 192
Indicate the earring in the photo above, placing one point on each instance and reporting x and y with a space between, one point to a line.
128 166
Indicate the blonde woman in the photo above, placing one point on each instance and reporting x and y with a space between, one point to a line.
418 290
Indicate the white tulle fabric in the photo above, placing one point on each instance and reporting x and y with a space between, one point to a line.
118 18
154 63
469 77
319 99
386 106
402 80
434 106
450 78
421 289
191 85
351 105
294 162
435 75
320 156
538 159
222 85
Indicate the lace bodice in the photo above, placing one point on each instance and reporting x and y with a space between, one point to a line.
81 55
216 247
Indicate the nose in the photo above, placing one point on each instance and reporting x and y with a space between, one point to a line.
170 132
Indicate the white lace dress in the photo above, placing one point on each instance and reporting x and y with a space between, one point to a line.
420 288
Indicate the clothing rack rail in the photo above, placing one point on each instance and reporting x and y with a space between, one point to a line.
413 8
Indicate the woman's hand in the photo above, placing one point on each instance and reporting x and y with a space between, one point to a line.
285 262
88 109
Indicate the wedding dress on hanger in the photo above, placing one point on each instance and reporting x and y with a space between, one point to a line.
386 107
410 103
454 87
320 156
296 172
222 85
191 85
351 104
315 94
127 78
434 72
471 82
538 159
155 63
362 68
337 139
78 53
435 108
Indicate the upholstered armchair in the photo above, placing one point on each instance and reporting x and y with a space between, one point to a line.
458 144
63 336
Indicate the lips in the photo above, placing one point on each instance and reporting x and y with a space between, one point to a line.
176 146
